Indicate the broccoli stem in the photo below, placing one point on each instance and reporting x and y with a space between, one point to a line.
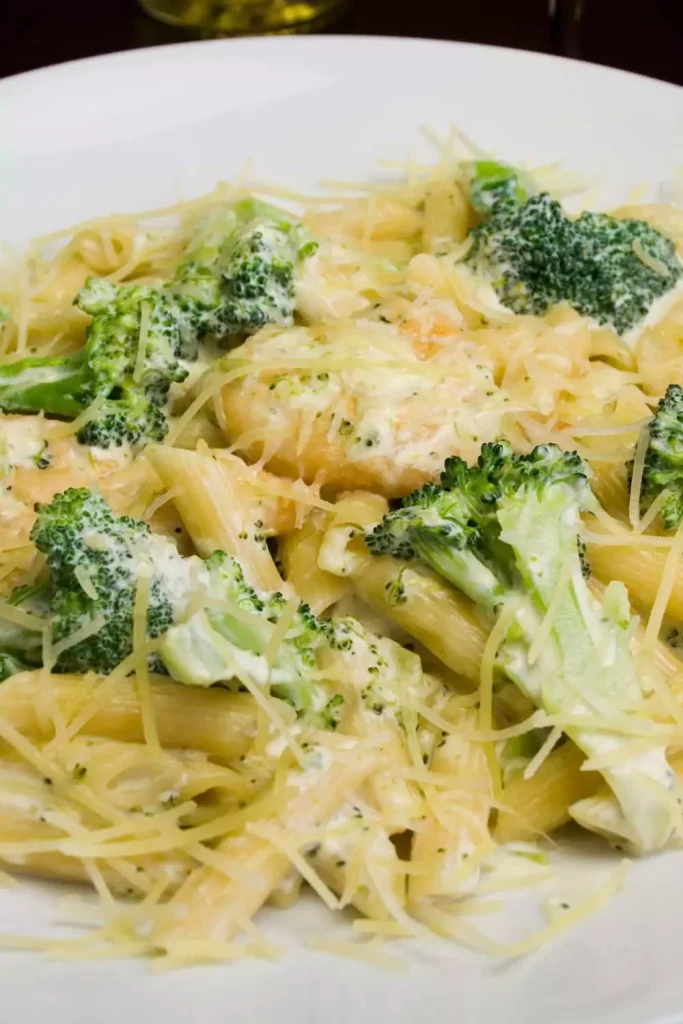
460 567
588 666
53 386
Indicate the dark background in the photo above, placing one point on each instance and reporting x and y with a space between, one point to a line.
640 35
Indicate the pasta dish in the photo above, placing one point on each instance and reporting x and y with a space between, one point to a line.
340 550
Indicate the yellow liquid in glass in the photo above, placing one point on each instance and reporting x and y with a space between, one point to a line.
244 17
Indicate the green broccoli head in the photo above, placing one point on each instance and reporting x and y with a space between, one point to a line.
611 277
128 416
112 337
258 276
545 468
663 469
521 248
240 276
455 528
535 257
432 510
229 639
443 528
95 560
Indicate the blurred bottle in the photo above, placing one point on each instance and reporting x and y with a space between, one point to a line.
245 17
565 26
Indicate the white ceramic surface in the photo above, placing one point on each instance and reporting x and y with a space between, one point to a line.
136 130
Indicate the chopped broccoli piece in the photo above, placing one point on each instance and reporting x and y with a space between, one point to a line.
535 257
130 398
246 280
491 180
521 247
607 278
505 532
229 638
663 470
91 551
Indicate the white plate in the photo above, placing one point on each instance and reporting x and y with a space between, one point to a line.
136 130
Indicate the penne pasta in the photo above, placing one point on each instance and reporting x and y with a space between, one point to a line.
534 807
211 504
440 617
299 552
639 567
219 723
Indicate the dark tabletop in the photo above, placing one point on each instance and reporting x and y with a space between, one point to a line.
640 35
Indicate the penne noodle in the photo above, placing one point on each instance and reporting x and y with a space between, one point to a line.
212 507
219 723
534 807
299 553
437 615
639 568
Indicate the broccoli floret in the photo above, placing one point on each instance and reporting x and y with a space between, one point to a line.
127 417
131 395
521 248
11 664
491 180
435 525
506 532
95 560
535 257
250 280
607 279
241 276
663 470
229 639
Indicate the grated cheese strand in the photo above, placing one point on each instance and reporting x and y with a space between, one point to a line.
666 585
637 477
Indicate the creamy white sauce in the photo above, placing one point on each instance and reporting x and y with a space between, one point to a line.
21 442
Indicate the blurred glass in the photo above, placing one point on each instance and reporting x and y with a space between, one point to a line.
244 17
565 26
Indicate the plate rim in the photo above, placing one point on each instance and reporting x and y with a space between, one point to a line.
332 40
